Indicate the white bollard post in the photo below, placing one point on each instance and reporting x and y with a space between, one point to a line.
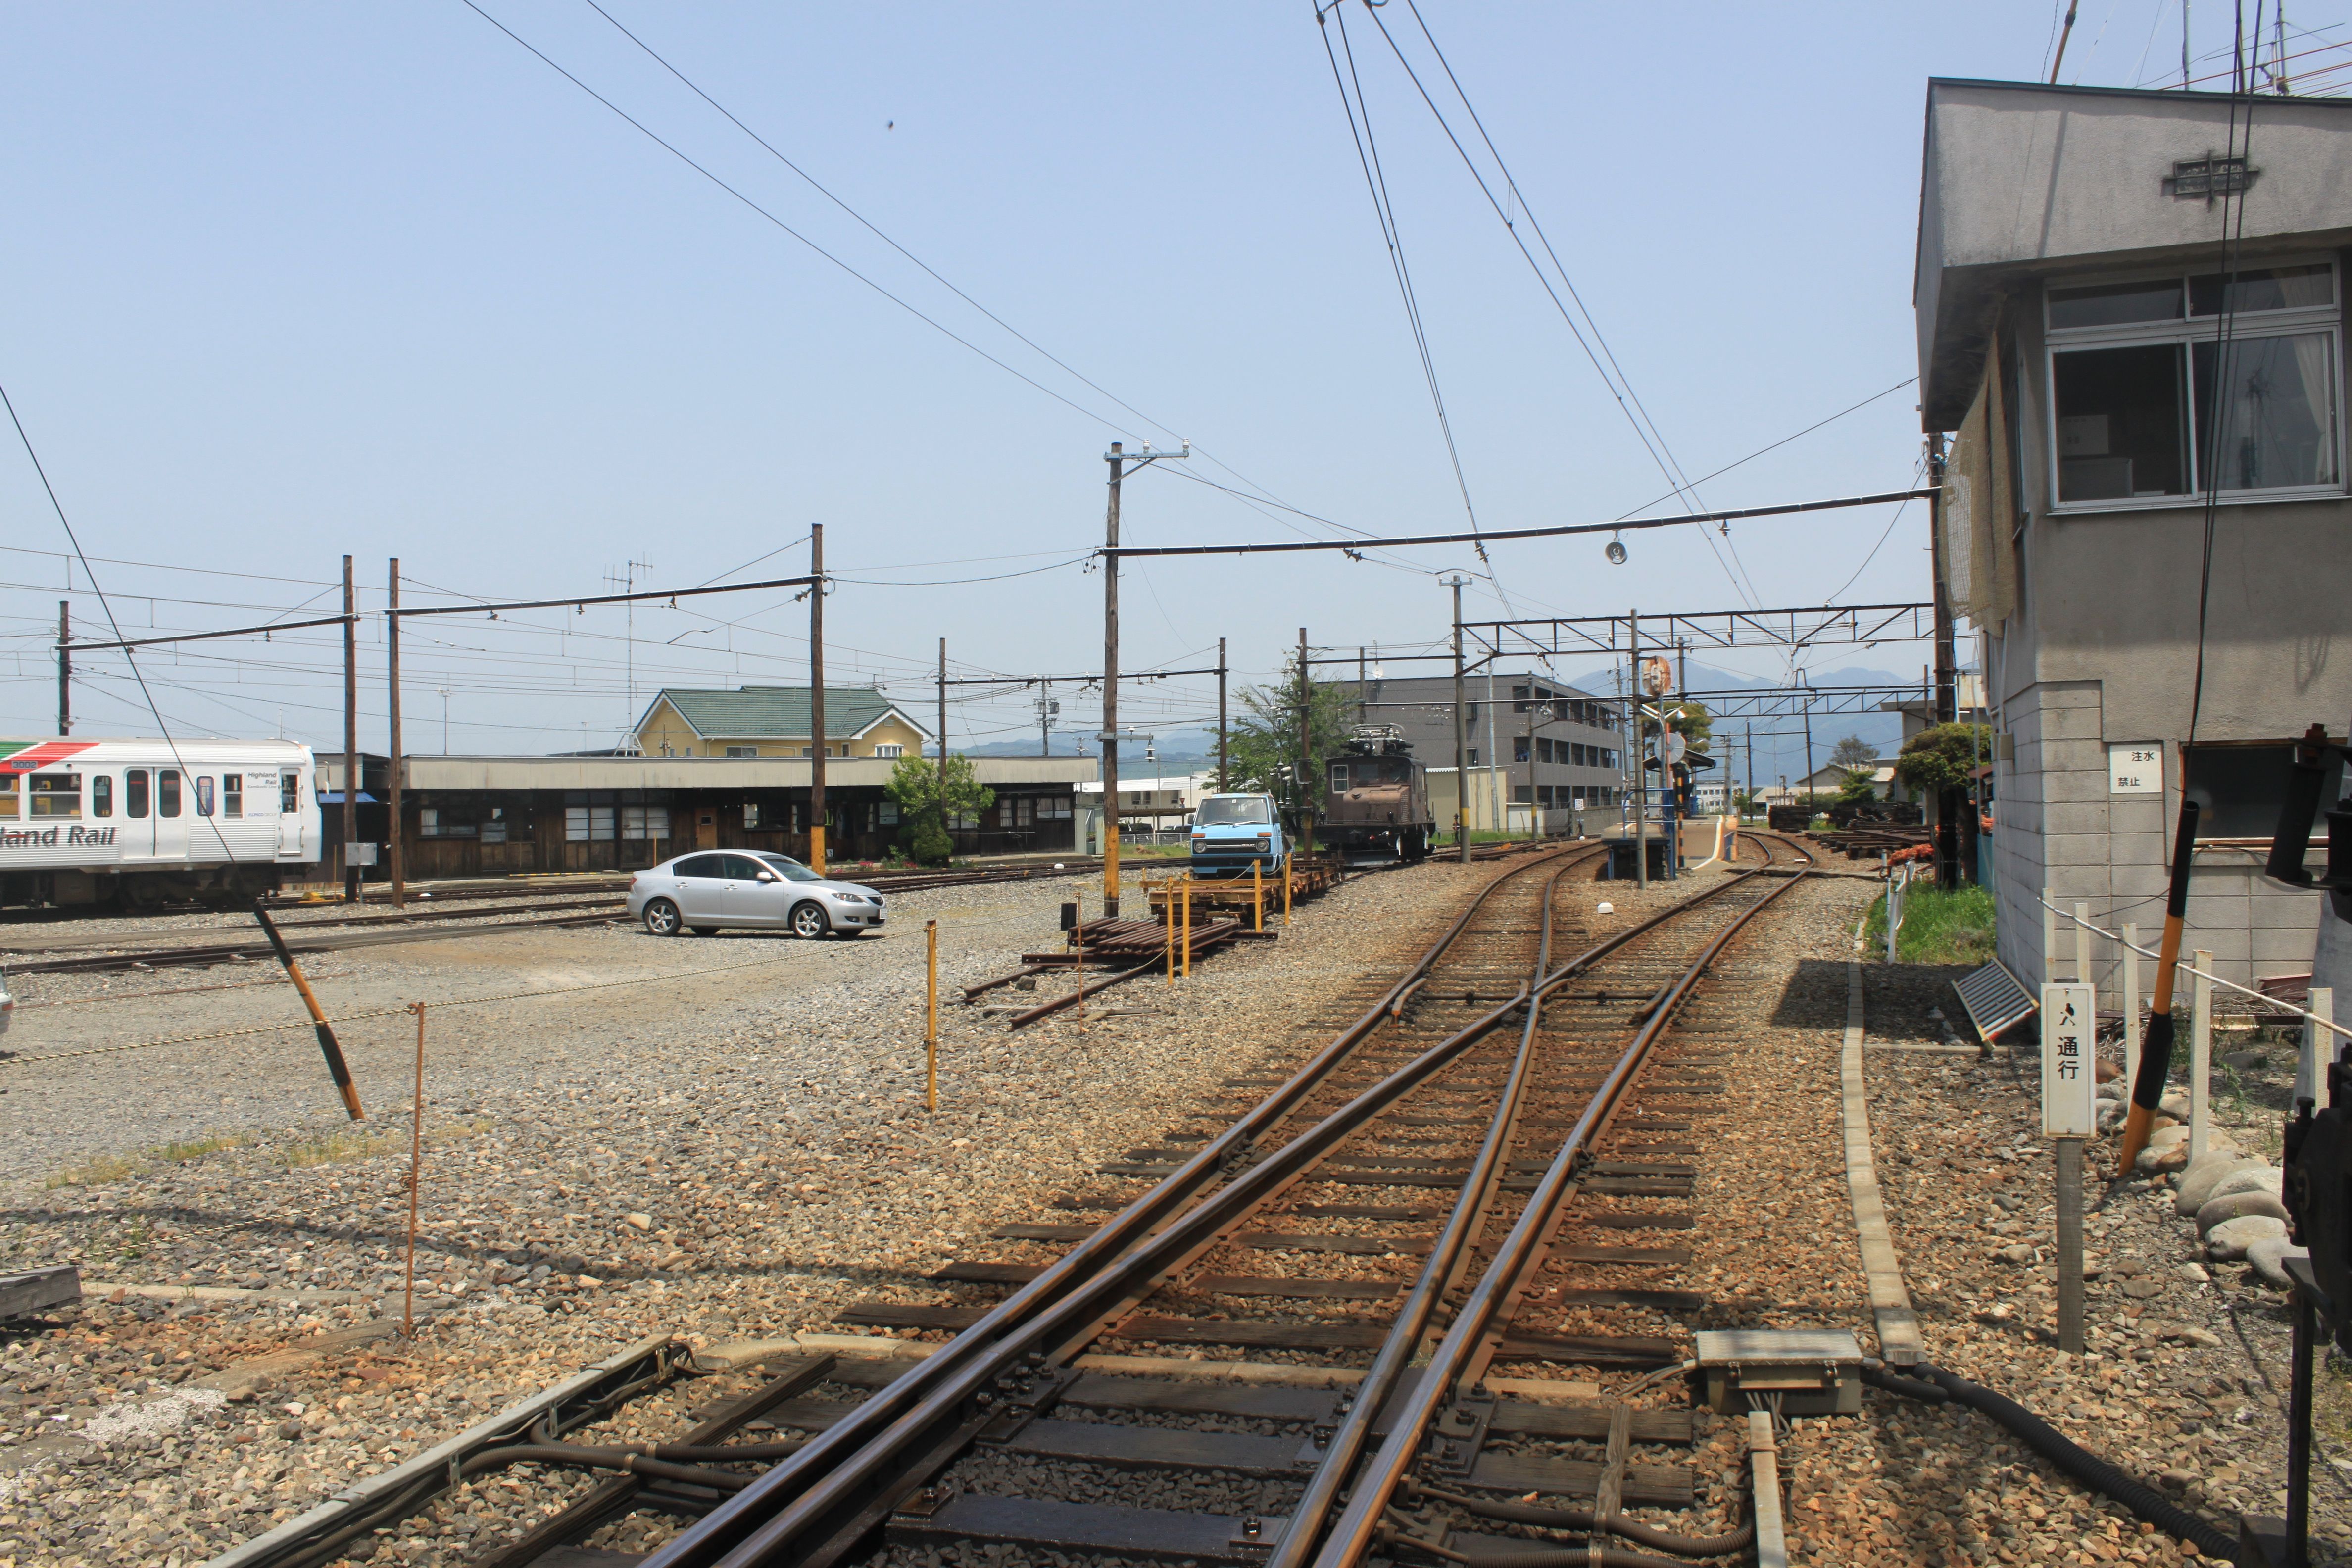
2200 1059
2131 1008
2318 1049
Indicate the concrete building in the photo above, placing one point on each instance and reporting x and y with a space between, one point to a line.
1535 742
2130 309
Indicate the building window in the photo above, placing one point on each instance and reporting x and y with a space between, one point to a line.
1519 748
2147 405
885 814
1053 808
887 750
1523 794
742 750
588 823
653 821
1470 756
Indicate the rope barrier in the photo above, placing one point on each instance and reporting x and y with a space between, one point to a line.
2306 1014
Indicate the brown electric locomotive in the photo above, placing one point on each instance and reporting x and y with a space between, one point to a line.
1376 802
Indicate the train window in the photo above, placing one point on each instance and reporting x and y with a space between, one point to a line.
54 795
232 795
134 793
7 794
102 794
204 795
1338 778
167 792
289 793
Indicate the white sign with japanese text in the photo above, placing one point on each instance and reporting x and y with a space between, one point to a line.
2135 769
2070 1031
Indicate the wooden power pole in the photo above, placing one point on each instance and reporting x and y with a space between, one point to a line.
816 699
1222 785
1116 457
392 789
64 669
350 733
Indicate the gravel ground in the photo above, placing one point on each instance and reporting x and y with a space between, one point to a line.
740 1157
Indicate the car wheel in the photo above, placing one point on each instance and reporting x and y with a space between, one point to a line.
808 922
706 931
661 918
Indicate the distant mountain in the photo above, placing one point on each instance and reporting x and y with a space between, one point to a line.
1183 746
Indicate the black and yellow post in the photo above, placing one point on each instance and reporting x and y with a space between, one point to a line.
337 1069
2156 1049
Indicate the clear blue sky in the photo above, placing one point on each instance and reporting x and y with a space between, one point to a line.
282 282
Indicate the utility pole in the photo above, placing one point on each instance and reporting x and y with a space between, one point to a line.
816 699
1948 799
1117 459
1221 715
1461 735
1044 717
1641 777
445 720
1307 779
64 669
943 714
1681 667
1363 695
392 790
350 733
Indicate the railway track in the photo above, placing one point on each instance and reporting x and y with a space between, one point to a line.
1468 1198
434 922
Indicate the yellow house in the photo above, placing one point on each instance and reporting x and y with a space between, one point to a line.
773 722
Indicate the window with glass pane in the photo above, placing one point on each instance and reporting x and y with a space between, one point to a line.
232 795
8 794
2276 402
2173 386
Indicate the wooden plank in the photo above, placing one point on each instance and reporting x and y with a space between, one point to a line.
1664 1301
1042 1232
1668 1485
979 1272
1671 1257
1635 1220
1588 1421
972 1518
1639 1186
1300 1241
1266 1285
1589 1350
1151 1448
1262 1402
34 1291
906 1315
1362 1211
1326 1336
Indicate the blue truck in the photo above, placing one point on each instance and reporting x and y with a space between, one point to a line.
1232 832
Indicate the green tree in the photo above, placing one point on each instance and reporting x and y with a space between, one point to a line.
1941 757
1859 786
1263 741
927 795
1691 720
1854 751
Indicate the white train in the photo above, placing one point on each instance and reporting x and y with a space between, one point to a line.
144 822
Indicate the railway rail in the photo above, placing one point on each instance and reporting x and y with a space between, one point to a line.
1503 1132
426 923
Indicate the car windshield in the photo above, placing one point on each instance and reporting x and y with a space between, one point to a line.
1235 808
794 871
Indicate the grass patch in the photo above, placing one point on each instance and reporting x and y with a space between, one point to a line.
341 1147
109 1168
1938 926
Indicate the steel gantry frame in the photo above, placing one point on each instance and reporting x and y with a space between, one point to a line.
1816 625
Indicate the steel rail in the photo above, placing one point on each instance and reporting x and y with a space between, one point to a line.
924 1434
832 1471
1463 1225
1354 1536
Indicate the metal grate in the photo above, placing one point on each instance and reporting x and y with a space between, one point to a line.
2203 179
1995 1000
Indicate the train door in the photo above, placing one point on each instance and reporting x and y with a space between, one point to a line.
289 811
163 793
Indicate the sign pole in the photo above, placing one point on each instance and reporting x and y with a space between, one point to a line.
930 1015
2069 1040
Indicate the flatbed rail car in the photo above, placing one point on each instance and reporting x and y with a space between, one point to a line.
138 823
1376 802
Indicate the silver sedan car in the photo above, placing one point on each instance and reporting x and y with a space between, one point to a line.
702 892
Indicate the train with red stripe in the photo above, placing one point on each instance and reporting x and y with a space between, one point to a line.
139 824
